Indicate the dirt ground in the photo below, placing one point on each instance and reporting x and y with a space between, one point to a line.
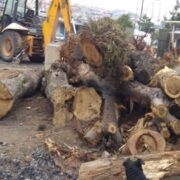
30 123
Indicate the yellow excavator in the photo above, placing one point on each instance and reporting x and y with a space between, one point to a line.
24 33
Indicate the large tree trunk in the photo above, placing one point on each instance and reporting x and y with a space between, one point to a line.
109 125
143 66
169 80
59 92
16 83
82 103
156 166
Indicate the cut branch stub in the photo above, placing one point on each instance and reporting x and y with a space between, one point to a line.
161 111
146 141
87 104
126 73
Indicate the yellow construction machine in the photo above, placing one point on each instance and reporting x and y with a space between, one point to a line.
25 33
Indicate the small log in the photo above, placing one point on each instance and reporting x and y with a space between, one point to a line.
143 66
109 119
157 166
146 141
87 104
15 84
60 93
169 80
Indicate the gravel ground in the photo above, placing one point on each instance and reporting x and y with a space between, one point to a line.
39 167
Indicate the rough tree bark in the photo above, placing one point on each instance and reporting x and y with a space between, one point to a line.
143 66
148 97
156 166
16 83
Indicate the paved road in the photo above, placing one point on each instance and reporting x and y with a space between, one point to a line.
21 65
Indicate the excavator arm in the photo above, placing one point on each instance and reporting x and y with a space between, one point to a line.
57 8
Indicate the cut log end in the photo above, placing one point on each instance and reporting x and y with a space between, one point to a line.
5 107
146 141
87 104
91 53
175 126
61 99
161 111
172 86
4 92
127 74
112 128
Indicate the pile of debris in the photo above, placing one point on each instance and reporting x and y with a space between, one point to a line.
120 100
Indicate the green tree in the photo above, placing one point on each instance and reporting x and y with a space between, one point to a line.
125 21
175 14
145 24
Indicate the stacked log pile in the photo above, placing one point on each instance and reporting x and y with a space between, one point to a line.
119 98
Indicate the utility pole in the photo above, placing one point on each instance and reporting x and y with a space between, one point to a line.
142 6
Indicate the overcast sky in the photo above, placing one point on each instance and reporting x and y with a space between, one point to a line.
153 8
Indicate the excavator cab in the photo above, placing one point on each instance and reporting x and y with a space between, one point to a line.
20 30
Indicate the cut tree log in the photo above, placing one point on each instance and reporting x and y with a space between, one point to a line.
169 80
104 45
146 141
146 96
143 66
82 103
91 52
60 93
110 121
157 166
15 84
